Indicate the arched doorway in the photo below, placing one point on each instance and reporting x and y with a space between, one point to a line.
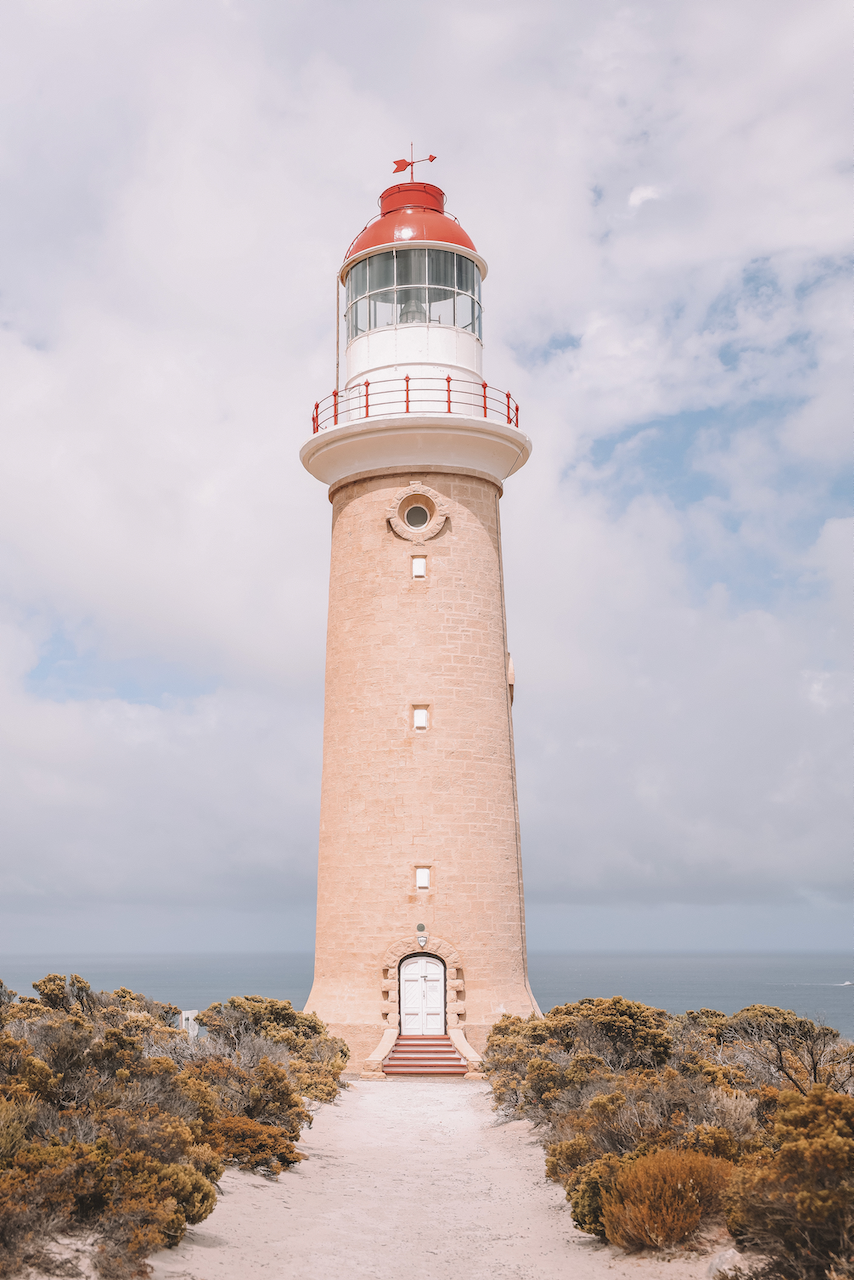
422 996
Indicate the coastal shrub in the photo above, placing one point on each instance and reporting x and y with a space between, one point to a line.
564 1158
795 1052
255 1146
612 1083
619 1034
660 1199
586 1187
795 1203
316 1059
114 1125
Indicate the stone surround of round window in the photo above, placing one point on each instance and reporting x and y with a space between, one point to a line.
417 514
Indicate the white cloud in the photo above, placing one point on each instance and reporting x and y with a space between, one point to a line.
640 195
179 185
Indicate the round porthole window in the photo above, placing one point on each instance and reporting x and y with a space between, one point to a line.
417 517
415 514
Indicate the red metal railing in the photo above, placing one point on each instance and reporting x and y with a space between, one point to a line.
388 397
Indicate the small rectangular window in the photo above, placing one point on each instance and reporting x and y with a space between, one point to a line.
419 566
419 717
422 877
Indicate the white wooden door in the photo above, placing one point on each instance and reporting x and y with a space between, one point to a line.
422 997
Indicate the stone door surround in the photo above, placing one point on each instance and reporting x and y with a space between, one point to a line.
455 1008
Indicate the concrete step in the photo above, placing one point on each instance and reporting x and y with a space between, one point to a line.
424 1071
424 1056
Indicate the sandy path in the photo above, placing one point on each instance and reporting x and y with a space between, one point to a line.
409 1178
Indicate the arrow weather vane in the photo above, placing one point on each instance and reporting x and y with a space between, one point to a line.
400 165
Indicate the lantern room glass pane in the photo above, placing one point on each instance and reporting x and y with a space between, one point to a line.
357 280
357 317
465 312
411 266
381 271
465 274
477 282
381 309
412 306
440 267
478 320
441 305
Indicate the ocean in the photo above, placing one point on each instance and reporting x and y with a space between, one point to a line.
816 986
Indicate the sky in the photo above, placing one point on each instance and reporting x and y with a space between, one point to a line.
658 190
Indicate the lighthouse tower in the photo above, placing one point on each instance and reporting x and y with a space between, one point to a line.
420 910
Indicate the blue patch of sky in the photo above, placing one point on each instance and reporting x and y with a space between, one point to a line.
800 340
65 673
665 457
825 270
758 286
661 456
531 356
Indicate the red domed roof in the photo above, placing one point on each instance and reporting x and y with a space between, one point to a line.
411 211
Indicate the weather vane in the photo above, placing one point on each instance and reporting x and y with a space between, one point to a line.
400 165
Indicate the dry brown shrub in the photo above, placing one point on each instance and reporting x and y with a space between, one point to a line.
255 1146
796 1203
660 1199
115 1125
202 1156
563 1158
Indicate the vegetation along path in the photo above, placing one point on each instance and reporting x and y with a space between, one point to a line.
408 1177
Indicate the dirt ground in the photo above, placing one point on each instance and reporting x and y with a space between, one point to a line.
408 1178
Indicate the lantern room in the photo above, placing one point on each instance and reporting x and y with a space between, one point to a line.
413 285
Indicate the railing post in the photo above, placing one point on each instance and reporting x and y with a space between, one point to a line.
335 408
406 380
517 415
315 421
448 380
367 384
484 398
508 409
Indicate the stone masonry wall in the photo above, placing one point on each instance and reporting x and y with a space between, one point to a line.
395 798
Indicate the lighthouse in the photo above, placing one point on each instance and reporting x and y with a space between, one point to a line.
420 906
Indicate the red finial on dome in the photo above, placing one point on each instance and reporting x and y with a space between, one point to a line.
400 165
